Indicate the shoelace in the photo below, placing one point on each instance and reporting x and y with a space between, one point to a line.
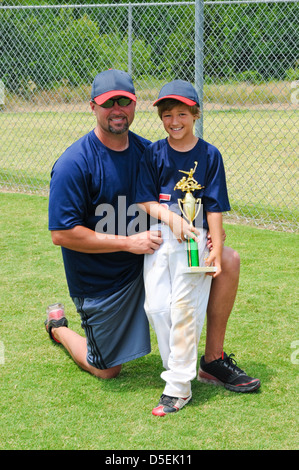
166 400
232 364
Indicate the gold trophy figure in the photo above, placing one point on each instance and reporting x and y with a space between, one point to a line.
190 208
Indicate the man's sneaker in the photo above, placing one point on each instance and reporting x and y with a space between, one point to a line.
224 371
170 405
55 319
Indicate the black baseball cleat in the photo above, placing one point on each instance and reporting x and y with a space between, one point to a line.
55 319
224 371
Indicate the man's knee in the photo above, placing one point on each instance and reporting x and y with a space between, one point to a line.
230 260
110 373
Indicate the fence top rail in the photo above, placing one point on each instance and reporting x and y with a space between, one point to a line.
131 4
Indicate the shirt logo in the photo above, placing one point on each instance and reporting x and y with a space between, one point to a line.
164 197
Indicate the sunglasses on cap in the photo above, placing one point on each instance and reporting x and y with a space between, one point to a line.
122 101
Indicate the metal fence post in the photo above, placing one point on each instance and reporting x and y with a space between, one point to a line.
199 52
130 39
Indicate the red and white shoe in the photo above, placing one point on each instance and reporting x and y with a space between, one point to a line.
169 404
55 319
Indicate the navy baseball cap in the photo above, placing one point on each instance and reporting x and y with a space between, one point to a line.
179 90
112 83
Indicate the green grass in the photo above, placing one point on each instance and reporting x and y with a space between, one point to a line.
32 142
47 402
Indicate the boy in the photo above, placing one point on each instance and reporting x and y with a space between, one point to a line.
176 302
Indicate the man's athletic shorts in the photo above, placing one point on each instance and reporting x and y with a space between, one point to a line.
115 325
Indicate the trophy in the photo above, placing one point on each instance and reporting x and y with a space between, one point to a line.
190 208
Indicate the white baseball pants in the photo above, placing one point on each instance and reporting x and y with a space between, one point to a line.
175 304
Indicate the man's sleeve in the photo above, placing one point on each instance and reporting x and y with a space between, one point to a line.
68 195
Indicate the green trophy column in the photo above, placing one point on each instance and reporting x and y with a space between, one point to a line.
192 252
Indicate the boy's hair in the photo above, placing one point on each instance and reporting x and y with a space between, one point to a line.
169 103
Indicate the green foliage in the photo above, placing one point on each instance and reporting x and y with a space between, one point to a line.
293 73
250 76
63 47
256 42
261 38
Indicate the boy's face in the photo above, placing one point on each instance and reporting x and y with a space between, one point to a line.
179 122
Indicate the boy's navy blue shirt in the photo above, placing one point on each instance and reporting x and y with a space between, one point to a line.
86 176
159 173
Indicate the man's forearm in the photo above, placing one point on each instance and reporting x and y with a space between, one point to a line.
84 240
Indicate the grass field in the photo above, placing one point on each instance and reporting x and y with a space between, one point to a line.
47 402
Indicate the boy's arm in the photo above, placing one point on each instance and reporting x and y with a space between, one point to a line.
214 220
180 227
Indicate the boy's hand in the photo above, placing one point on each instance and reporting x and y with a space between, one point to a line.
214 259
182 229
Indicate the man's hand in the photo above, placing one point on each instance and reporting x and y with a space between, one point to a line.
144 242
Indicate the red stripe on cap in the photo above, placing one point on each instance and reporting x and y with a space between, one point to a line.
178 98
100 99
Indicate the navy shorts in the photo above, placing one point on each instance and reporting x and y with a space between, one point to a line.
115 325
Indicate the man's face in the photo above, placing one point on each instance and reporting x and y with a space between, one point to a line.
115 120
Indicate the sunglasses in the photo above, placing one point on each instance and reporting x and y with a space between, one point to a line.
122 101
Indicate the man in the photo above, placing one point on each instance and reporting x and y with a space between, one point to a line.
104 268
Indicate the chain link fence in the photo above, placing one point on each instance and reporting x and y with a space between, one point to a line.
242 57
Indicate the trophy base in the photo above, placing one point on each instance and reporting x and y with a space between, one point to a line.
200 269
